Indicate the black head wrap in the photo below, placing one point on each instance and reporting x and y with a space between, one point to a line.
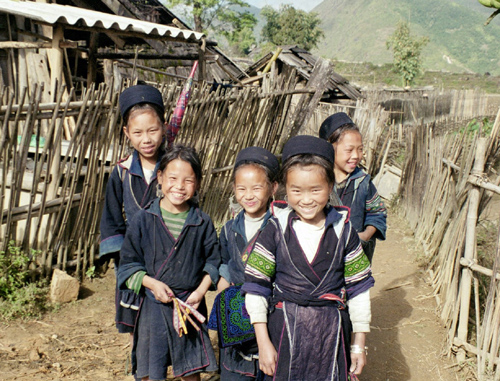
260 156
332 123
140 94
306 144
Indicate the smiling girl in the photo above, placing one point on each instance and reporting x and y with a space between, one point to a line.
254 184
132 184
171 251
306 267
353 186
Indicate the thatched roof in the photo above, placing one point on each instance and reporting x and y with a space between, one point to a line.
303 61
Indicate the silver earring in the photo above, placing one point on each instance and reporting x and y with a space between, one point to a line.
159 193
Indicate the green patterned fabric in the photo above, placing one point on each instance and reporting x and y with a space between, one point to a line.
261 264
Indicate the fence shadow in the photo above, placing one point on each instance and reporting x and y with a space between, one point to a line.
386 360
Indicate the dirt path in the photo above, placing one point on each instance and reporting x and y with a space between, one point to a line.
407 338
79 341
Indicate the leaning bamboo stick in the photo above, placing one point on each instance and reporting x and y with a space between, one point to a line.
470 242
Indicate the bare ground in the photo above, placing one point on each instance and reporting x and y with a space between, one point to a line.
79 341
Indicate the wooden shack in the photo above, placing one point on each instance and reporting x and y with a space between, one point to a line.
291 57
79 42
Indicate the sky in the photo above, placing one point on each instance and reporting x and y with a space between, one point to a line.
306 5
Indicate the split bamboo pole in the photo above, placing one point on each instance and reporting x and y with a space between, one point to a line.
470 248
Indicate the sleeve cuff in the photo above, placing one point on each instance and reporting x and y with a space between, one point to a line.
258 318
111 245
213 272
360 327
224 272
256 307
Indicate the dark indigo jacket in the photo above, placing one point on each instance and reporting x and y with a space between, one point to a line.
182 263
127 192
233 242
293 278
367 208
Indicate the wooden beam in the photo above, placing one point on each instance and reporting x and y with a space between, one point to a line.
202 72
51 106
36 45
34 35
92 63
478 268
478 181
24 45
57 59
145 56
131 64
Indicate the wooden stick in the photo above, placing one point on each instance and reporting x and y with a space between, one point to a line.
470 249
479 181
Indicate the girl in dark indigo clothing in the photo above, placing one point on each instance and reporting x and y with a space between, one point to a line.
132 184
353 186
171 252
254 184
306 268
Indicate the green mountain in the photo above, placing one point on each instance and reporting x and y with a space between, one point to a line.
357 30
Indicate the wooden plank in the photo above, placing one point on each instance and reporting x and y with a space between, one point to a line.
24 45
305 107
147 56
38 73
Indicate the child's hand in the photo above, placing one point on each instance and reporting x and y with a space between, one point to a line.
358 361
267 358
367 233
195 299
161 291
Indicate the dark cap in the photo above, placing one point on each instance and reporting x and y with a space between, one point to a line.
139 94
332 123
306 144
258 155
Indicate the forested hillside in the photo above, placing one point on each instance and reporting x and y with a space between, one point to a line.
357 30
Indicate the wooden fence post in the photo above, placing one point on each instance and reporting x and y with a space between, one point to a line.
470 248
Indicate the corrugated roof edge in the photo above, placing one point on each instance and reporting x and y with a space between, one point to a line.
54 13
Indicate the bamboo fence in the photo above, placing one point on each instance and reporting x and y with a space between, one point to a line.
52 189
443 189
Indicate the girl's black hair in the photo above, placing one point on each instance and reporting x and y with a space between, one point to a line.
184 153
144 106
337 134
307 160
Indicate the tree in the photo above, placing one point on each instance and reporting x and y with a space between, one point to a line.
241 37
290 26
407 52
220 15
